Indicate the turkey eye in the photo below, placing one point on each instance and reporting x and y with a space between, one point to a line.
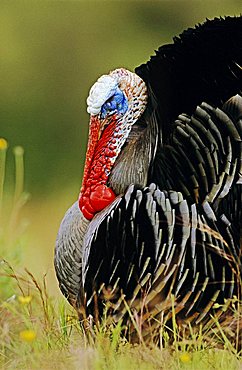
108 107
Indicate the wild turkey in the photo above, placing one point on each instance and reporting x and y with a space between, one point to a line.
158 223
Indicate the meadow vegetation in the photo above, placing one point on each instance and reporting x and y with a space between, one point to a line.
38 331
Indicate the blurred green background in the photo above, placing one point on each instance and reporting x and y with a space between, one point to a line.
51 54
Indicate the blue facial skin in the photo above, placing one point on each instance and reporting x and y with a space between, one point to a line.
116 104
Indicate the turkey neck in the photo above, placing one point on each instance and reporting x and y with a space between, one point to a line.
134 162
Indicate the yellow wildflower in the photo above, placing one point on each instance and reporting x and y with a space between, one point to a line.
24 299
27 335
185 357
3 144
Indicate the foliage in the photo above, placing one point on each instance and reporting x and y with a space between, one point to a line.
37 330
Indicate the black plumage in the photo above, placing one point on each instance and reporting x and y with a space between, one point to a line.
172 237
203 64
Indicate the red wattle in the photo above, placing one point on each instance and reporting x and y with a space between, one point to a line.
86 213
101 197
101 153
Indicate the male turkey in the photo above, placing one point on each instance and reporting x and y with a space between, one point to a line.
158 222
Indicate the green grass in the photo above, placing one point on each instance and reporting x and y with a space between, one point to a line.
38 331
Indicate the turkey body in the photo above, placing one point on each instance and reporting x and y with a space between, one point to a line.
171 236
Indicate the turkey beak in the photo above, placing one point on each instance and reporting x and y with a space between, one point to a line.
104 123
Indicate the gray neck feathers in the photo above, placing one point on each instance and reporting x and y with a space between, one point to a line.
132 165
